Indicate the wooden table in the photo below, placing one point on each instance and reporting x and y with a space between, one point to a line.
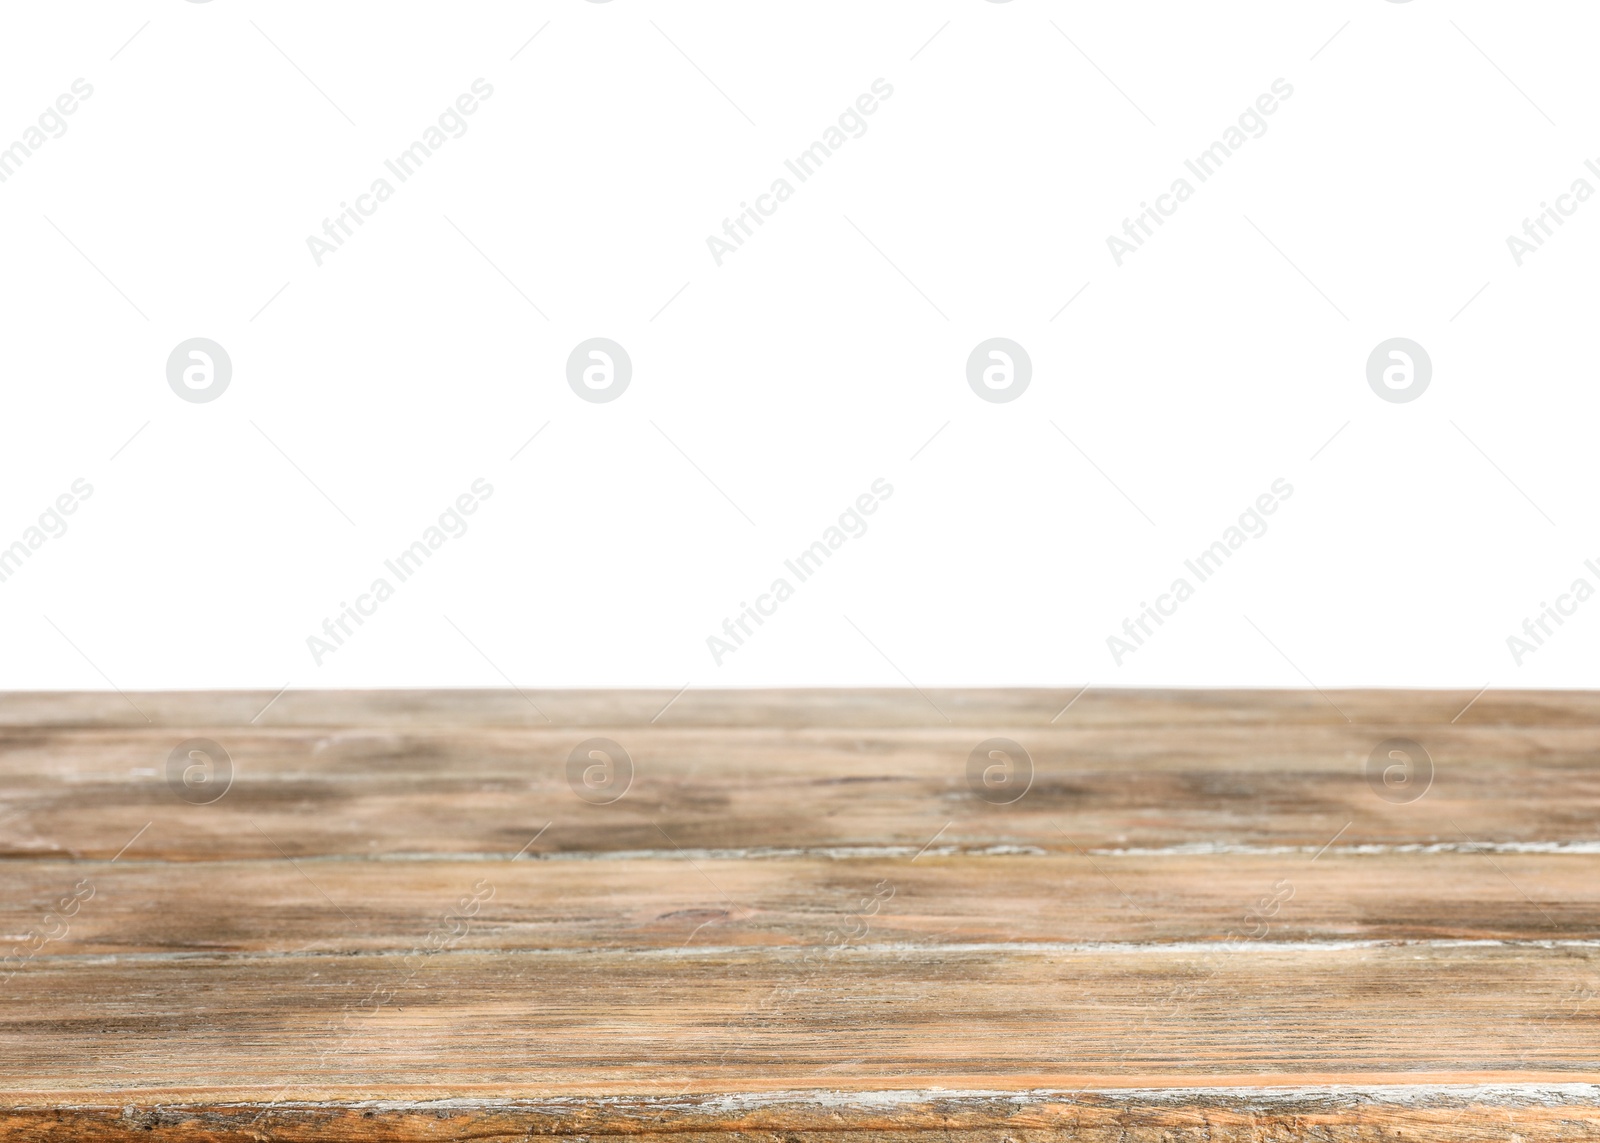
800 916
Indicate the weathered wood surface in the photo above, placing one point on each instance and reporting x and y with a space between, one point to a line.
1206 916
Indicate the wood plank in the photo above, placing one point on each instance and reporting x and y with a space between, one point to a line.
803 918
374 791
340 905
790 708
1475 1113
478 1024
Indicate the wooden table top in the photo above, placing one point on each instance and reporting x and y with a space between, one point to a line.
1014 915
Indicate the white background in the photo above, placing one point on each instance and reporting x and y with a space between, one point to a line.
372 390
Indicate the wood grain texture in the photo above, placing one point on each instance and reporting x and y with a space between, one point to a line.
1203 919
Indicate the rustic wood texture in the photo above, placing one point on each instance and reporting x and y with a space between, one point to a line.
1202 920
